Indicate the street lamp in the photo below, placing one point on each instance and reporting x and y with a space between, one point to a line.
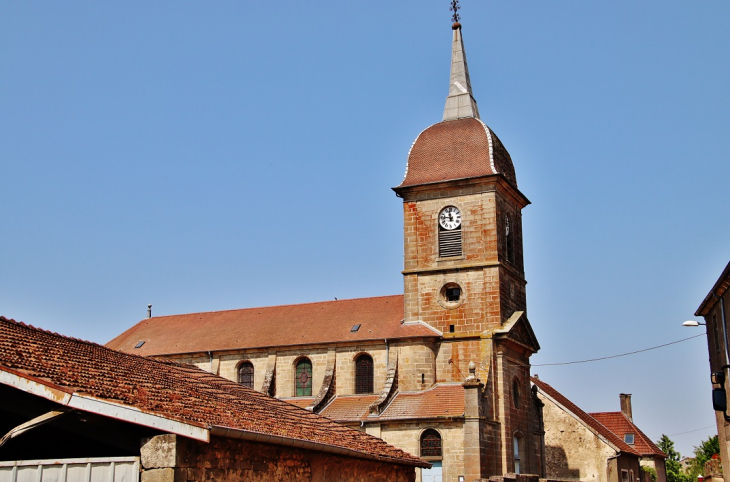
692 323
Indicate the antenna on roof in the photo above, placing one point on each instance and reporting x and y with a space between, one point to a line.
149 310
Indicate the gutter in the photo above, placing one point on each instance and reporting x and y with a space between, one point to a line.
251 436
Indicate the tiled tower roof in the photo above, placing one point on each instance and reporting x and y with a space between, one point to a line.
461 146
457 149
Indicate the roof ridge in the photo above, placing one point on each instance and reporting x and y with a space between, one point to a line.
273 306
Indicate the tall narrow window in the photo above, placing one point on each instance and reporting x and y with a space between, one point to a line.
430 443
245 374
304 378
516 446
449 229
364 374
509 238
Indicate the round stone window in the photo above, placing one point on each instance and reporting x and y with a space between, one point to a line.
451 296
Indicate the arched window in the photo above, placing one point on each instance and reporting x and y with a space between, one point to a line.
430 443
245 374
304 378
364 374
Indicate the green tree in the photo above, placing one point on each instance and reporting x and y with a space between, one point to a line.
703 452
674 468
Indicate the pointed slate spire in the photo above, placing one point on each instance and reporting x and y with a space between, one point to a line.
460 102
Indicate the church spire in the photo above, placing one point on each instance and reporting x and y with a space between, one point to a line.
460 102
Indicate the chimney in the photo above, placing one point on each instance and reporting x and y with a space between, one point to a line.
149 313
626 406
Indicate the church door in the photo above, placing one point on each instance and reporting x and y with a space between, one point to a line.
434 474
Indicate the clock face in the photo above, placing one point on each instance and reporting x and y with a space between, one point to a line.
450 218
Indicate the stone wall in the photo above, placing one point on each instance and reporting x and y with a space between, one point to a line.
407 436
169 458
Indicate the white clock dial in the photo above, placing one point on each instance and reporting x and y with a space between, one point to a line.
450 218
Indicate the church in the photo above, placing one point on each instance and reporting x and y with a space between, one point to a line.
441 371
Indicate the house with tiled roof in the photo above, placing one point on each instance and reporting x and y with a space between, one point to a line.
441 370
601 447
69 405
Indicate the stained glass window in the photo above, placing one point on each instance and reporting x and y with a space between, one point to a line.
304 378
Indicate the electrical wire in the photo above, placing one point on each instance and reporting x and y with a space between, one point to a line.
622 354
691 431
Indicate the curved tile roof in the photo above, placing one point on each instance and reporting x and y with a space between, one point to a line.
171 390
457 149
288 325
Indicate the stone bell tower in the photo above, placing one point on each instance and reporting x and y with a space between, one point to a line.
463 272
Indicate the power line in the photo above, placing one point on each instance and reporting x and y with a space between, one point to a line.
690 431
622 354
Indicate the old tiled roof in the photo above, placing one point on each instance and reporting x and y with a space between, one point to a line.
172 391
617 423
349 408
588 420
305 324
437 402
457 149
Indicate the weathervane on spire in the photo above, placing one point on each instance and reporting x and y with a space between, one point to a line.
454 8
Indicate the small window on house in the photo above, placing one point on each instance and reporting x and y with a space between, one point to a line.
629 438
245 374
139 345
624 476
430 443
631 476
449 229
516 449
304 378
354 328
364 374
451 328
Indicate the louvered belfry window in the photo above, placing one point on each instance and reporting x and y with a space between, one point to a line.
430 443
364 374
449 229
245 374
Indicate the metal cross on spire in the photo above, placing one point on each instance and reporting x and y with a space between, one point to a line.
455 8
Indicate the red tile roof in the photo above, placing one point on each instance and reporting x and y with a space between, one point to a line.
584 417
457 149
617 423
349 408
437 402
288 325
170 390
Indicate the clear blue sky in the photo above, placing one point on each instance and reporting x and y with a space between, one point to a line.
215 155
